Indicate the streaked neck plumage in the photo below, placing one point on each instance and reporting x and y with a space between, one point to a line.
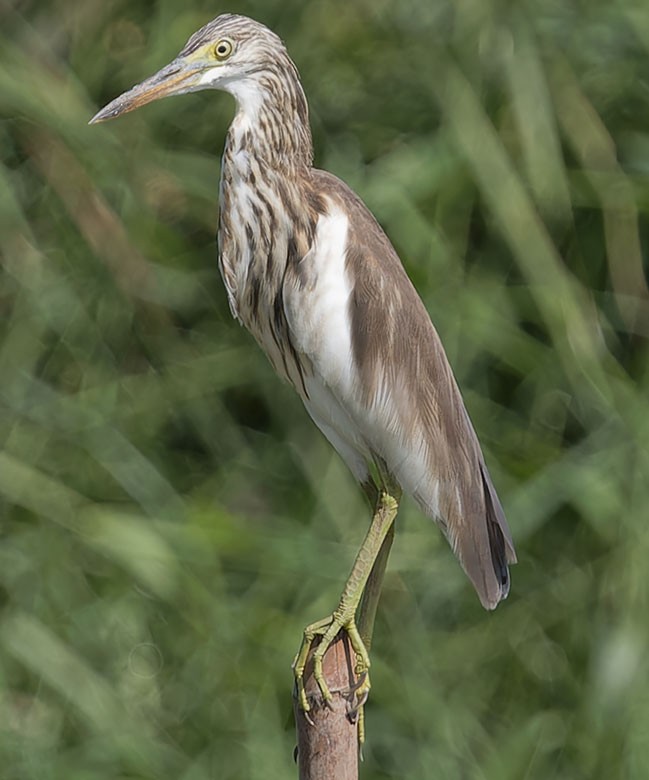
272 121
266 223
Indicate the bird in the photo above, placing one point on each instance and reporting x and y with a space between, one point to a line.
314 278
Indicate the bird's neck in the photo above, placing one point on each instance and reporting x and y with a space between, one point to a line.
272 121
266 221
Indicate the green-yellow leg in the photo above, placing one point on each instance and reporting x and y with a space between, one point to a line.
367 613
372 591
344 616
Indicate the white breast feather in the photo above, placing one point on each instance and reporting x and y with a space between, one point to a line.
319 315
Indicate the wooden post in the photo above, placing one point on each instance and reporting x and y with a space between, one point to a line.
327 736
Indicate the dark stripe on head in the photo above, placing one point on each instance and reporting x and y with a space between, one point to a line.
233 26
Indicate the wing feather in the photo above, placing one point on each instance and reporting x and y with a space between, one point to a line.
403 399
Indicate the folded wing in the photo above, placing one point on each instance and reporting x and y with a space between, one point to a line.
380 387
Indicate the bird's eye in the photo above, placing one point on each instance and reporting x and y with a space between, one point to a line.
223 49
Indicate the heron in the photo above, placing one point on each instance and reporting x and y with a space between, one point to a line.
311 274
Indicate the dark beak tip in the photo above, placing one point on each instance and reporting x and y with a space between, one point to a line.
109 112
100 116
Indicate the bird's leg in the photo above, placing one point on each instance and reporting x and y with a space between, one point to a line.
344 616
370 600
372 591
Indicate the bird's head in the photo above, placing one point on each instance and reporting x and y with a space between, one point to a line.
231 53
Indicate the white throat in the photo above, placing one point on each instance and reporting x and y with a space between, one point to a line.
246 91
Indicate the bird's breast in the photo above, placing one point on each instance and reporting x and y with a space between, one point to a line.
254 242
317 302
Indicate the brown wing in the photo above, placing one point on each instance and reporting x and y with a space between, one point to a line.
406 383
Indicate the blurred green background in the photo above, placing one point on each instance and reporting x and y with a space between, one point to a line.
170 518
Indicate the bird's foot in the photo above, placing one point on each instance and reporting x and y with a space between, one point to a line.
344 619
327 630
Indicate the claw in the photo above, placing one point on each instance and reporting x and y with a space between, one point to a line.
308 718
359 682
363 699
361 690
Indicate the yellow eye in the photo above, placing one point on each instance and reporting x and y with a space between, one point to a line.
223 49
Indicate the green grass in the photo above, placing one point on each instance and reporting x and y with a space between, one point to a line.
170 518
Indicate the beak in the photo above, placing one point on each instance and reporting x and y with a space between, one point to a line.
173 79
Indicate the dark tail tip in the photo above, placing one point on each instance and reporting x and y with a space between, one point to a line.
498 555
501 552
